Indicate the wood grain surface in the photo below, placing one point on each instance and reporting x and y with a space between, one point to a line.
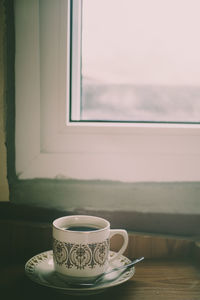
153 280
170 271
23 239
155 246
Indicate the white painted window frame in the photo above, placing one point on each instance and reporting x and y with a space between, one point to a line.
47 147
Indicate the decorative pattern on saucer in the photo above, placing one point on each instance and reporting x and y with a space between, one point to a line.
80 255
40 269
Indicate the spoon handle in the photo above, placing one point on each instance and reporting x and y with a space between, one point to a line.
125 266
120 268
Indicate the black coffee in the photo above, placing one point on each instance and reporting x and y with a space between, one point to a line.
81 228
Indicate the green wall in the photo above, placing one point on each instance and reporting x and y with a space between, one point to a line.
4 191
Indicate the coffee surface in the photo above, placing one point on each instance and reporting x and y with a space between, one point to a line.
81 228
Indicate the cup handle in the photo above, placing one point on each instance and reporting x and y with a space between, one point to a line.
123 248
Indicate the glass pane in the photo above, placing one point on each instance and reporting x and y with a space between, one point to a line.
141 60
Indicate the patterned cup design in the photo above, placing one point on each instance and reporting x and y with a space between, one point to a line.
80 256
83 254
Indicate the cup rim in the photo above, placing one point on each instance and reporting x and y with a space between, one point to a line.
83 217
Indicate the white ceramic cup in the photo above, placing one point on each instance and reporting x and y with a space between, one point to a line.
81 254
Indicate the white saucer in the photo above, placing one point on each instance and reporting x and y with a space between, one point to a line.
40 269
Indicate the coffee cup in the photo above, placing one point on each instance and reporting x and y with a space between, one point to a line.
81 246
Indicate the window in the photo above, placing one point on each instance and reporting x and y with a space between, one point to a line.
47 147
135 60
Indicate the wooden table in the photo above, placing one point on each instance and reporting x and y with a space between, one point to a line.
154 279
170 271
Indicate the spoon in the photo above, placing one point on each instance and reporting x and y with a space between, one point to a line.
100 277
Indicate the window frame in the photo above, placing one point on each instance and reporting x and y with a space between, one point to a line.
49 147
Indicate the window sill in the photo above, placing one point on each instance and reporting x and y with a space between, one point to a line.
166 208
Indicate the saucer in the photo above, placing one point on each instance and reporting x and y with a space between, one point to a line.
40 269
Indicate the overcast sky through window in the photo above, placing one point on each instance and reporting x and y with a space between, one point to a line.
141 60
152 42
